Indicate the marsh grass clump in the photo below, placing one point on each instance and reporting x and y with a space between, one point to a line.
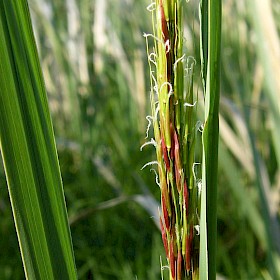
175 126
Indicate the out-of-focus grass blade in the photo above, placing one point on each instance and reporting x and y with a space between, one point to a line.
211 128
29 152
268 49
245 201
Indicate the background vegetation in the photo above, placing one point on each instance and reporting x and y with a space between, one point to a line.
95 67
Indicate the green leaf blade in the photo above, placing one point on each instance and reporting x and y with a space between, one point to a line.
211 21
29 153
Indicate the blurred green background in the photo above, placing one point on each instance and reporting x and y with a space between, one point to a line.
94 61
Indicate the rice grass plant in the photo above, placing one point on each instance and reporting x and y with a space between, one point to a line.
188 193
100 116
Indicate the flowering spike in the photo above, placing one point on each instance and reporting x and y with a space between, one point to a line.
174 133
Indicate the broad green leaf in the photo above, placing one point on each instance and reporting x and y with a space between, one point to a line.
29 152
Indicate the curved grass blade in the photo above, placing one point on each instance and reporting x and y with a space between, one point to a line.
29 152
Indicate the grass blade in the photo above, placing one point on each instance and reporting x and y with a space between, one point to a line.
211 128
268 50
29 152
